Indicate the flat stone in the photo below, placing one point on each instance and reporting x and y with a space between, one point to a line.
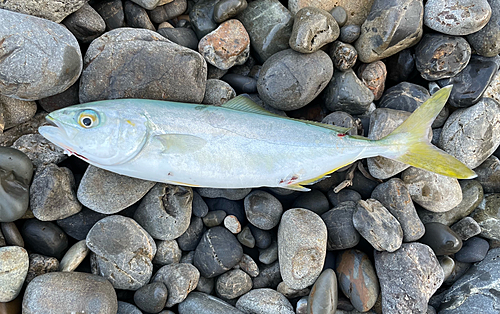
233 284
264 301
486 40
40 150
466 228
202 303
323 296
39 265
85 23
52 10
180 279
346 92
151 297
441 239
312 29
74 256
44 237
14 264
167 252
341 231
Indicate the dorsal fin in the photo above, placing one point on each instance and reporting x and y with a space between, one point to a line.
243 103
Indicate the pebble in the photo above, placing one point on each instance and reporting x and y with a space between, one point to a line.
108 193
226 9
488 174
124 261
16 171
74 256
302 305
165 211
233 284
180 279
202 303
217 252
82 291
39 150
15 111
246 238
241 83
466 228
374 75
263 210
314 200
136 16
162 79
78 225
312 29
487 215
290 293
340 15
264 300
201 17
323 296
390 18
230 194
476 289
301 252
404 96
269 276
441 239
270 254
44 237
266 36
248 265
486 40
205 285
232 224
408 278
173 9
40 265
282 89
447 264
473 250
200 208
349 33
167 252
346 92
343 196
339 223
434 192
52 10
456 18
472 134
214 218
400 66
217 92
190 239
376 224
183 36
14 264
151 297
11 234
230 207
112 13
127 308
395 197
52 193
343 55
85 24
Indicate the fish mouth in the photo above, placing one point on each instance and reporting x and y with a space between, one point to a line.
55 132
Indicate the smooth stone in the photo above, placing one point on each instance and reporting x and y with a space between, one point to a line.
339 223
162 79
233 284
264 300
302 241
314 200
486 41
150 4
230 194
343 196
323 296
312 29
112 13
11 234
205 285
44 237
440 56
15 111
376 224
52 193
466 228
457 18
39 265
173 9
269 25
232 224
85 23
408 278
167 252
127 308
79 225
473 250
404 96
200 208
249 266
472 134
124 261
343 55
269 276
470 84
434 192
182 36
400 66
201 17
262 209
290 293
472 195
241 83
226 9
202 303
374 75
349 33
458 271
262 237
447 264
151 297
340 15
180 279
54 11
346 92
394 196
343 119
136 16
45 293
401 21
488 174
476 289
40 150
14 264
269 255
283 89
214 218
190 239
165 212
108 193
246 238
217 252
16 171
217 92
441 239
233 50
487 215
74 256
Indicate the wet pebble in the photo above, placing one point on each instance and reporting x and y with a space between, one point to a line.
85 23
202 303
487 215
39 265
264 300
230 194
441 239
324 294
486 41
39 150
466 228
233 284
74 256
167 252
263 210
312 29
77 226
473 250
404 96
226 9
343 55
151 297
488 174
14 264
44 237
447 264
180 279
339 223
346 92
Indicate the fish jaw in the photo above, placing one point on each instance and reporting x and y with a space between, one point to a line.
57 134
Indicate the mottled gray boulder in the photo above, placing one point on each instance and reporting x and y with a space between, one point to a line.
39 149
290 80
54 10
180 279
472 134
391 26
108 193
144 65
15 111
14 264
312 29
202 303
123 252
487 215
408 278
81 292
302 238
346 92
264 301
49 53
86 24
486 41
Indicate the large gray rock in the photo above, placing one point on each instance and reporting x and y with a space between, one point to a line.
14 264
39 149
202 303
49 54
312 29
264 301
15 111
54 10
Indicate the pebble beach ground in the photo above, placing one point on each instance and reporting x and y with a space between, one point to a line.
377 237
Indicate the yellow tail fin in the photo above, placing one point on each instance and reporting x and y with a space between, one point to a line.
415 149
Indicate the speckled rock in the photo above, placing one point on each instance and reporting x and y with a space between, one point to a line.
40 265
346 92
45 292
180 279
55 11
40 150
14 264
85 23
283 89
15 111
488 174
312 29
233 284
441 239
248 265
217 92
290 293
301 252
349 33
343 55
167 252
127 308
230 194
486 41
487 215
74 256
201 17
136 16
111 12
264 301
262 209
341 231
466 228
108 193
408 278
390 17
124 261
202 303
232 224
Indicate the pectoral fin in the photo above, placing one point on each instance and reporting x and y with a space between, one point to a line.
180 143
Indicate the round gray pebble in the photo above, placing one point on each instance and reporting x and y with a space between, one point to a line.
263 210
151 297
264 300
180 279
233 284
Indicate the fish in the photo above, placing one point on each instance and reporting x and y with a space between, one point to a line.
236 145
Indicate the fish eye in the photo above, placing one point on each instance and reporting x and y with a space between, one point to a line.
87 119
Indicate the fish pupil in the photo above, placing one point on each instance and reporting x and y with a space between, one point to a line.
87 121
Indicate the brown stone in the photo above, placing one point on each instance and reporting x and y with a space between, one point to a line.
373 76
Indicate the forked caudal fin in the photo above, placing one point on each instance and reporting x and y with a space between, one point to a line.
414 147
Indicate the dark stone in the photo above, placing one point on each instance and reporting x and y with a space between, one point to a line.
180 279
174 9
341 231
78 225
226 9
136 16
487 215
269 276
151 297
11 234
241 84
214 218
314 200
343 196
200 208
473 250
486 41
349 33
466 228
44 237
340 15
263 210
346 92
229 194
230 207
441 239
263 238
201 17
343 55
192 236
400 66
246 237
86 24
404 96
112 13
488 174
182 36
65 99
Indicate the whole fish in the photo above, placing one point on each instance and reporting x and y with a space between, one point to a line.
236 145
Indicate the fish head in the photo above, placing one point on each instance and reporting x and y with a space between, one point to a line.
97 133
